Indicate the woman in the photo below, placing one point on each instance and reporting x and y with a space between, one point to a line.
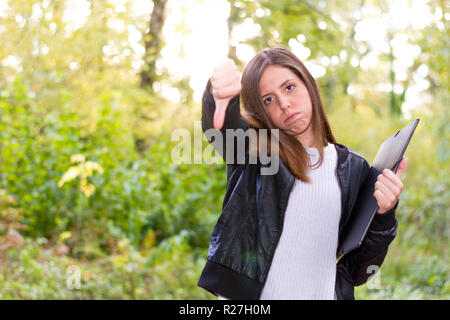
278 234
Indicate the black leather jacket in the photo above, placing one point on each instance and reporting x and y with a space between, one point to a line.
245 237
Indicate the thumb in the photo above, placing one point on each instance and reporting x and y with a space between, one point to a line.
219 113
401 167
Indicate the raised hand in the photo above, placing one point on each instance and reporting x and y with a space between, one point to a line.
225 84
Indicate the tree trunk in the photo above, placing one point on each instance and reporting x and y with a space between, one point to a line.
153 44
394 107
232 21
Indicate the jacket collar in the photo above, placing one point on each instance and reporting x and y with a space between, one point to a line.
342 153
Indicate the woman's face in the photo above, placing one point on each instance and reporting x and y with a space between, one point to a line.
287 101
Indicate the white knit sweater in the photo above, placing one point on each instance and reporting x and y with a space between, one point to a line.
304 263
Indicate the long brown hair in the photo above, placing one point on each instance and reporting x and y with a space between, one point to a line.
291 151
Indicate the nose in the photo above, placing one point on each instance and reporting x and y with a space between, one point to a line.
284 103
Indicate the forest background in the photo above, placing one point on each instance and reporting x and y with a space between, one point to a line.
92 205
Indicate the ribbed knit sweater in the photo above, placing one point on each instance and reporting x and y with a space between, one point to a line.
304 263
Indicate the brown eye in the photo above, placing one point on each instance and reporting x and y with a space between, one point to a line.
267 101
290 87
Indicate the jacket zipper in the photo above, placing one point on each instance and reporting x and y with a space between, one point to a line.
342 203
277 238
338 257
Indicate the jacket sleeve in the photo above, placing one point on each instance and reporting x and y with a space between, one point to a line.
365 261
233 120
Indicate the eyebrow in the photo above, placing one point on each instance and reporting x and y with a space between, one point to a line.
279 86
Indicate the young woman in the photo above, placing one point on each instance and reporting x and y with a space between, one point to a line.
278 234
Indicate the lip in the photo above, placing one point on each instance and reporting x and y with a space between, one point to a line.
292 116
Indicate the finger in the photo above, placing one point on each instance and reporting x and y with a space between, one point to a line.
225 80
219 113
227 92
393 186
381 200
393 178
386 192
401 167
224 73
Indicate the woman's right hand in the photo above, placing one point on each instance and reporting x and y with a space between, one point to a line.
225 85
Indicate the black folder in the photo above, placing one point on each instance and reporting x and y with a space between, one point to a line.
388 156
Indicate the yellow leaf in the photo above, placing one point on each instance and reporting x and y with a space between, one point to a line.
69 175
65 235
77 158
88 189
150 240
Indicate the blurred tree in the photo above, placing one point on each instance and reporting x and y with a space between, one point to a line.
239 11
433 62
153 44
80 46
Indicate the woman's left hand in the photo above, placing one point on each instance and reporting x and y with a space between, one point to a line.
388 187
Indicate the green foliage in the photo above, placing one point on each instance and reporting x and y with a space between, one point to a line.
86 175
169 271
131 193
